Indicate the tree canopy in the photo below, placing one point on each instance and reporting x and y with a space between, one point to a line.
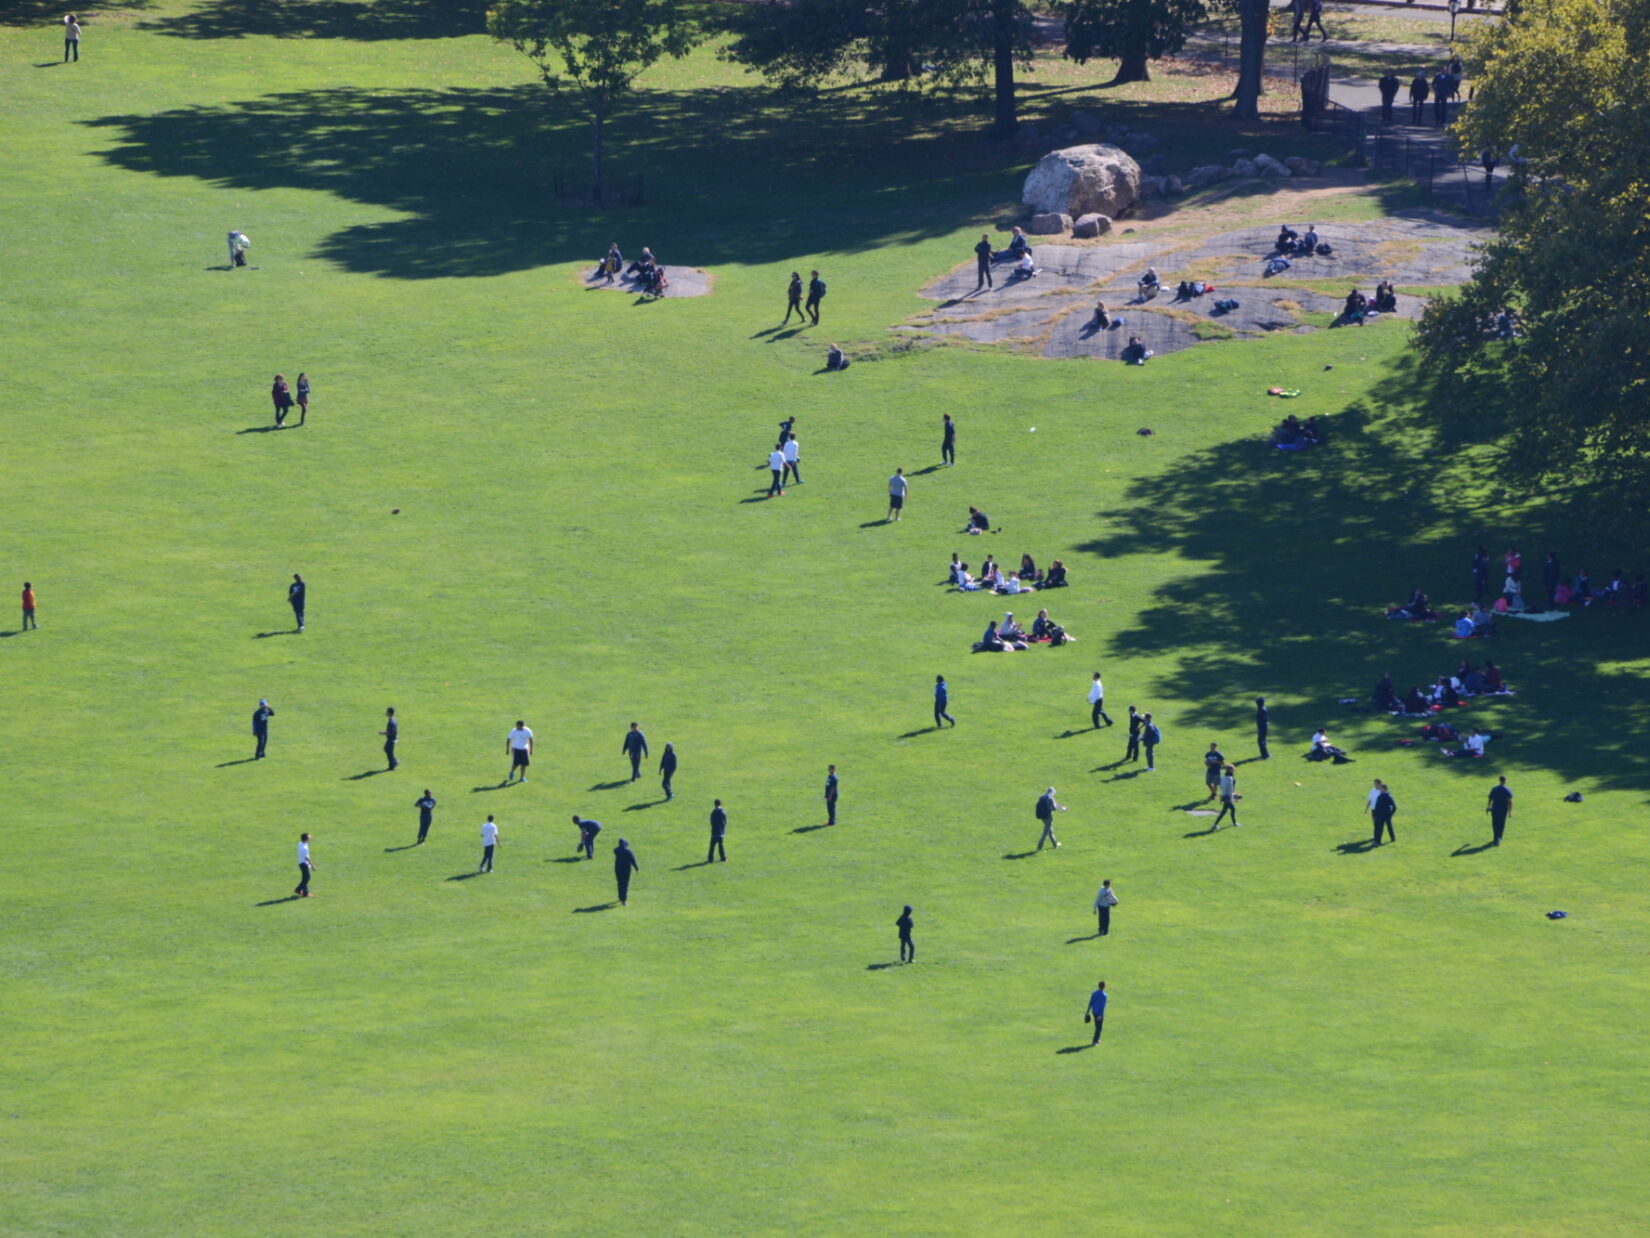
1563 97
600 46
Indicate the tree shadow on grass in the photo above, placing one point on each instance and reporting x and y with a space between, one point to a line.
1328 538
321 19
36 12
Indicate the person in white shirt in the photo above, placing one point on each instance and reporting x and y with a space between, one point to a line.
1374 794
237 249
1475 743
1097 703
489 840
898 488
519 744
793 460
1012 584
1103 903
305 867
71 38
776 464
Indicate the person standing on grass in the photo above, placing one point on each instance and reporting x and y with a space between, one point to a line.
898 488
1382 808
718 829
1097 703
776 465
295 594
519 744
635 747
426 814
1214 761
1227 787
942 698
830 795
28 607
982 261
624 863
305 867
1263 720
1104 901
1151 736
1046 808
71 38
588 830
1095 1012
667 770
948 442
489 840
1132 752
1500 808
793 300
260 727
392 729
907 948
282 396
793 460
816 294
303 398
1389 86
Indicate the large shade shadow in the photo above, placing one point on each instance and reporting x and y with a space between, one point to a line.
362 20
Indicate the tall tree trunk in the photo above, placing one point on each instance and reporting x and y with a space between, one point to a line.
599 184
1132 65
1003 14
1252 19
898 63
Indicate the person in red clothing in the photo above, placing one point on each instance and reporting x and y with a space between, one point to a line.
28 607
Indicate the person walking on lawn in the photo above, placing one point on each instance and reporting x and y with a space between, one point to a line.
635 747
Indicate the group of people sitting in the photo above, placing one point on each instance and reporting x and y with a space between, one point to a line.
650 275
1578 591
1293 434
1472 745
1446 692
1007 636
1474 621
993 579
1189 288
1417 609
1297 244
1019 253
1358 307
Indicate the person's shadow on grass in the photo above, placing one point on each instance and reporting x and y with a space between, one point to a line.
50 64
583 911
407 847
276 902
260 429
612 786
1133 773
566 859
876 524
781 333
645 804
492 786
13 632
919 731
282 632
809 829
366 773
1213 829
685 867
1072 1049
1085 731
242 761
1019 855
759 497
883 966
1469 849
465 876
932 468
1357 846
1072 941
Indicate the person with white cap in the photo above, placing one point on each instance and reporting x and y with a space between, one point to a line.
260 727
238 242
1046 808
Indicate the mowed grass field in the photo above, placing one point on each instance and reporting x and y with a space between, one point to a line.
1306 1038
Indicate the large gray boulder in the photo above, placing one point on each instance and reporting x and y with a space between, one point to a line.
1081 180
1051 223
1090 226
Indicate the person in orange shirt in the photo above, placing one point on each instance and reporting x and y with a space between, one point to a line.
28 607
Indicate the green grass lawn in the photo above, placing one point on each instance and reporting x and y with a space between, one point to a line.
1306 1038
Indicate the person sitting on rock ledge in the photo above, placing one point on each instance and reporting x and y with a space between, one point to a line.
1024 268
1357 305
642 264
611 265
1135 353
1287 237
1017 245
1309 240
1101 320
1386 300
1148 283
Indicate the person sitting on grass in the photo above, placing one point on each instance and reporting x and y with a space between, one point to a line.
1357 305
1483 621
1472 746
1472 683
1045 629
954 572
835 359
1444 693
991 642
1012 585
1323 750
1056 576
1581 592
1416 609
1415 704
1493 684
1136 353
1464 629
965 582
989 576
1011 631
1028 570
1386 300
978 522
1385 697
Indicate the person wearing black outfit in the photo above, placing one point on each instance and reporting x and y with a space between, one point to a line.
718 828
1389 91
942 697
793 297
1500 808
1132 753
1385 696
624 863
816 294
295 599
667 770
1214 764
635 747
588 830
1262 721
1440 97
260 727
982 256
1550 577
830 794
392 729
426 814
1480 573
1382 811
907 951
948 441
1418 91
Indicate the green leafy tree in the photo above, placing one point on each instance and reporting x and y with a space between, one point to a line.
600 46
1133 32
1563 98
802 43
